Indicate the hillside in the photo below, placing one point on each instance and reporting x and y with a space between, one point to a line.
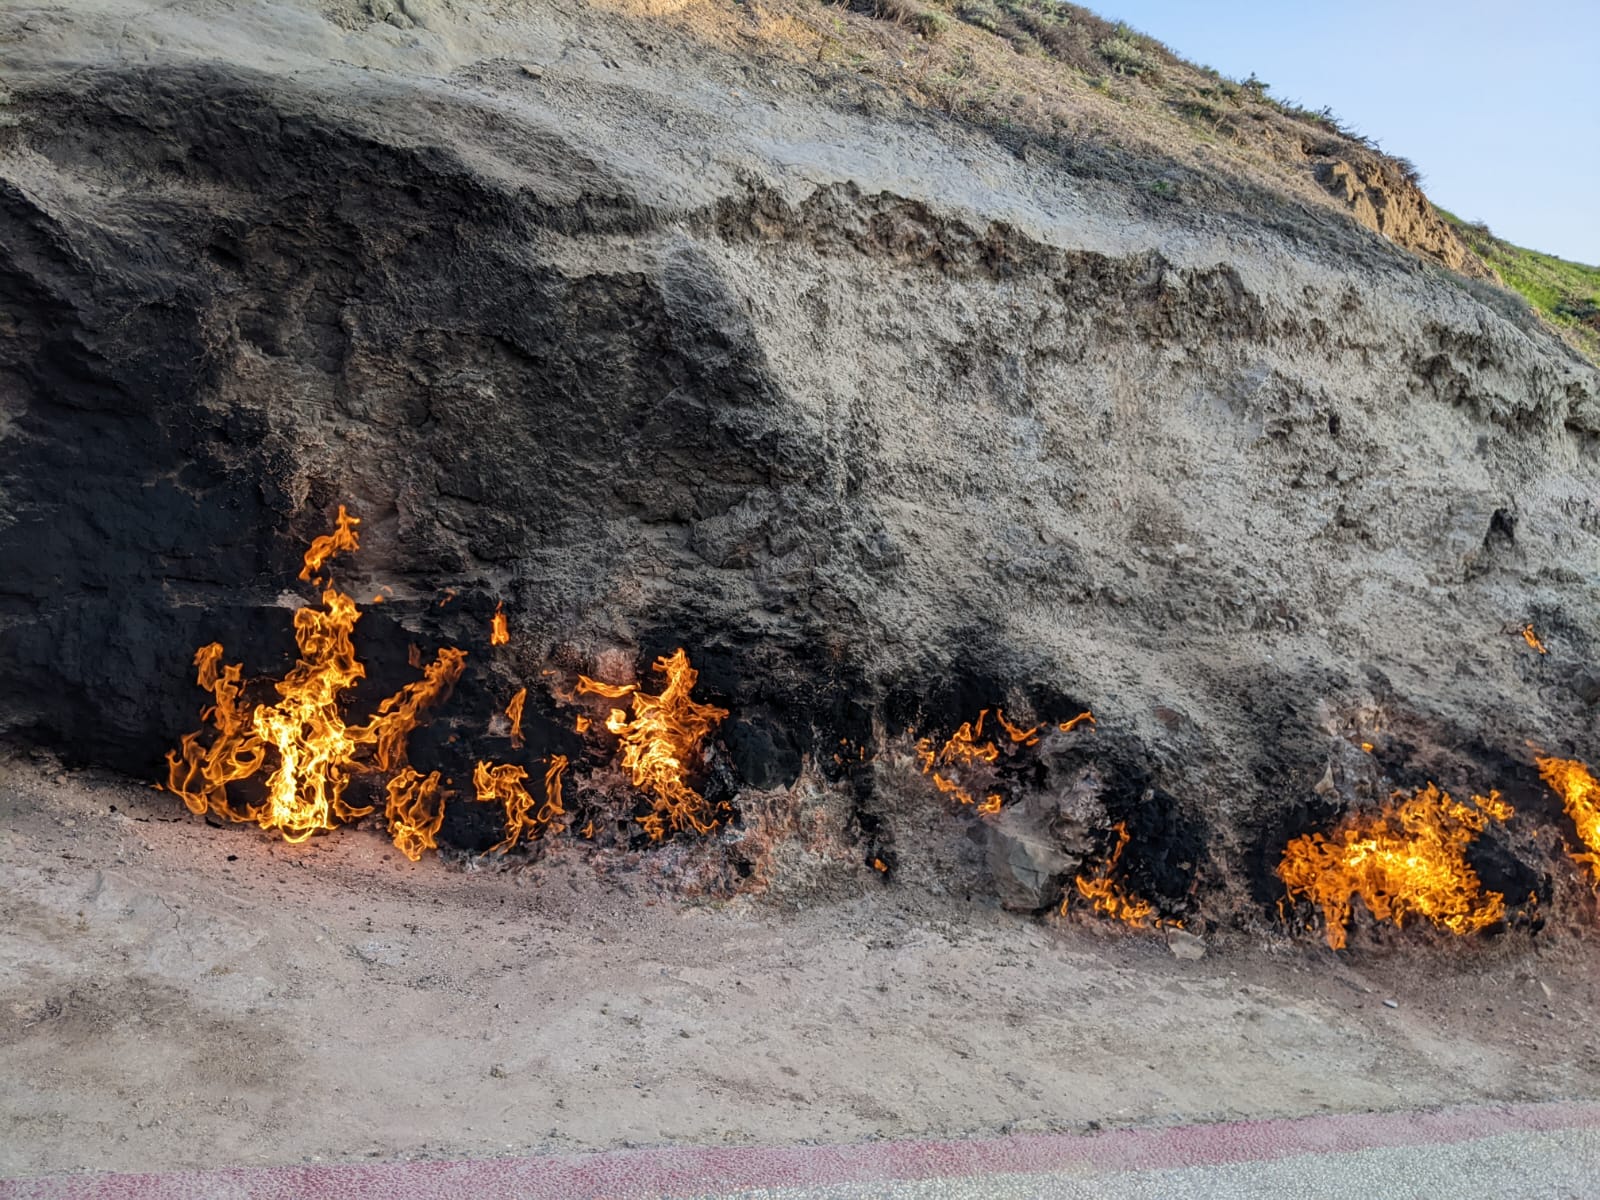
884 417
498 467
1054 79
1058 84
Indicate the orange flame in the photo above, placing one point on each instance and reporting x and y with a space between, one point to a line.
415 811
514 715
1532 638
1018 735
325 546
499 632
582 724
880 866
1409 858
401 713
304 733
661 742
1108 898
1580 796
553 775
502 784
962 749
611 691
967 750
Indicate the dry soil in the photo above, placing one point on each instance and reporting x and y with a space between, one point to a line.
177 995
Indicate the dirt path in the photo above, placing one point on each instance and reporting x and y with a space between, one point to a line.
181 996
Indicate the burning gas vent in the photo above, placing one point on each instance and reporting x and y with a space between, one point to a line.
288 756
660 743
312 753
1409 859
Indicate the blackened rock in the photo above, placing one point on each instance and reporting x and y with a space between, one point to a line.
763 756
1587 687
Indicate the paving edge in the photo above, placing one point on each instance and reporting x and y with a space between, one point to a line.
660 1174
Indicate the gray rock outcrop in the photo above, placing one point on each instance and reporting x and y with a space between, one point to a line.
663 353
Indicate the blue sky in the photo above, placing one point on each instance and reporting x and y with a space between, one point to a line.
1497 103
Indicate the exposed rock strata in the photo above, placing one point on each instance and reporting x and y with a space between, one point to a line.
1397 209
881 421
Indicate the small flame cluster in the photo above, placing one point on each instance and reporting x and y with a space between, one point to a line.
966 751
661 742
967 748
1108 897
1407 859
962 749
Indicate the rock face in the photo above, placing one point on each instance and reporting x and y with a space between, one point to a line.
873 415
1397 209
1029 866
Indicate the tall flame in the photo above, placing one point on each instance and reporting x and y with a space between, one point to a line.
502 783
1580 796
415 811
1407 859
499 632
514 715
304 734
661 743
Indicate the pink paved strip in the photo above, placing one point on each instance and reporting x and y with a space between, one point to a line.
659 1174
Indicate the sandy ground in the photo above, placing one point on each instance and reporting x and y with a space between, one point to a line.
181 996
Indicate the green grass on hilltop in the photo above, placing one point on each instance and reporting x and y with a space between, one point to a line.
1567 294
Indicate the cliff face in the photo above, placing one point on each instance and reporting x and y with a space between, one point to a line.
883 419
1398 210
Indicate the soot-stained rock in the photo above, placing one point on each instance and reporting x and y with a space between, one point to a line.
1027 862
763 754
